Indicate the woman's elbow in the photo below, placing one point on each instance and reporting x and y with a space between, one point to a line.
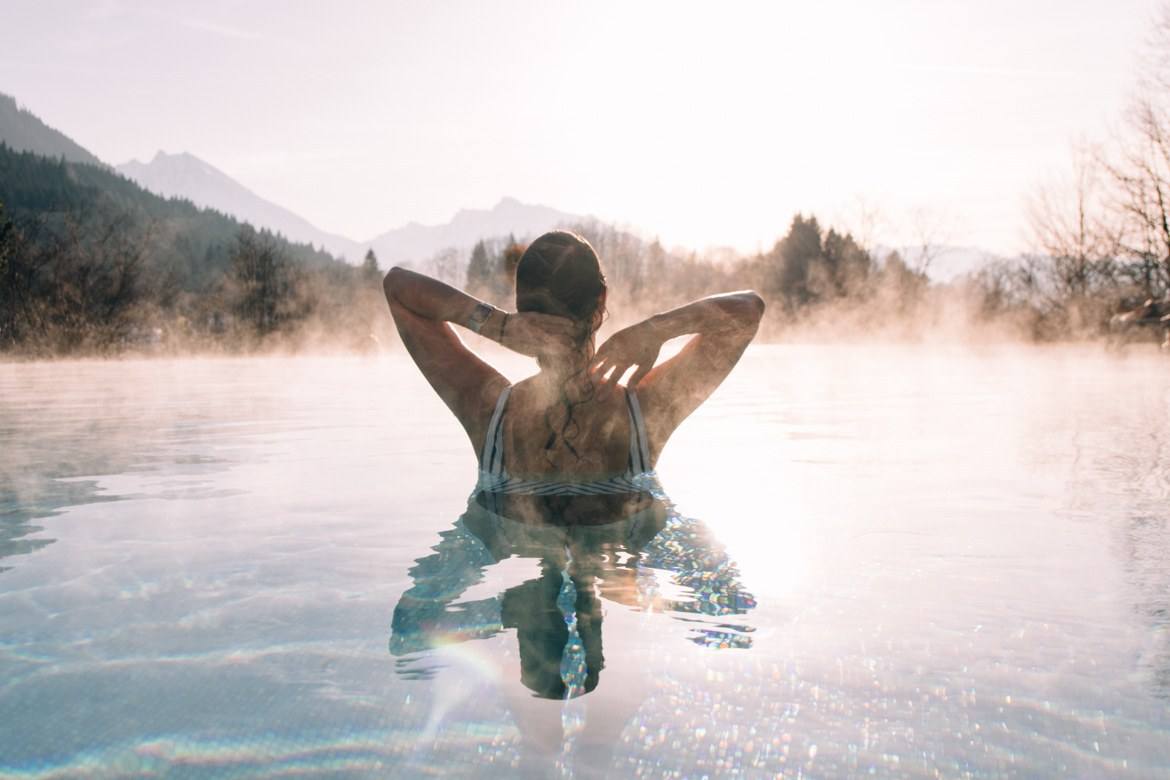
747 308
738 312
756 305
393 281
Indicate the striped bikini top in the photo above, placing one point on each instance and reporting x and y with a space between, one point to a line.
494 478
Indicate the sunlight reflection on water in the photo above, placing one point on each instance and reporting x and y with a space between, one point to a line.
959 560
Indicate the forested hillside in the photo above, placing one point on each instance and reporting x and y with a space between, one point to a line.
89 261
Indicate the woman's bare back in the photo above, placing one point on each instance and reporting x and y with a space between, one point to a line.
581 439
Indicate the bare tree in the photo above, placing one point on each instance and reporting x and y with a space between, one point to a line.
445 265
1138 172
864 220
1074 243
1102 237
932 230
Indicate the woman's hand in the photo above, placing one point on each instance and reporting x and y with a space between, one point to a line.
540 335
637 345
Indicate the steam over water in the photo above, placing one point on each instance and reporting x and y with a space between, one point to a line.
957 561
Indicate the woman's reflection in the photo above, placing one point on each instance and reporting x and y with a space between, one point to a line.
557 615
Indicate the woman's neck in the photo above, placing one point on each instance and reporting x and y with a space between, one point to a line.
563 369
562 375
567 366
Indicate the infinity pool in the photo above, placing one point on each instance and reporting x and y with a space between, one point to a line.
887 560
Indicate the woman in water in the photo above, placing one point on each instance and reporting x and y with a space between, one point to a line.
566 463
571 429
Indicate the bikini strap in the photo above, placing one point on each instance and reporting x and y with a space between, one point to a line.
639 443
493 451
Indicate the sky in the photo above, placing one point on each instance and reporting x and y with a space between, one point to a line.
703 124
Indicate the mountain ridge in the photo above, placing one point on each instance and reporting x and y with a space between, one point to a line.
415 242
24 131
183 175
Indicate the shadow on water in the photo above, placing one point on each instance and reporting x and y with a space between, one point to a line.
55 465
49 467
1125 479
1147 565
1145 548
557 616
18 510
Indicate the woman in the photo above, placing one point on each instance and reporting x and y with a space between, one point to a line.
572 429
566 464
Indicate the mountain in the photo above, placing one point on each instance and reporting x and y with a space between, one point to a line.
24 132
414 242
186 176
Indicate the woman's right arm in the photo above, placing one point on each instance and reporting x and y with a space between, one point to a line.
722 327
424 310
436 301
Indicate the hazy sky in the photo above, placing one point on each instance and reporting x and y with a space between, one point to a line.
705 124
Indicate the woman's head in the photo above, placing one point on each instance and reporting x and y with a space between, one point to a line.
560 274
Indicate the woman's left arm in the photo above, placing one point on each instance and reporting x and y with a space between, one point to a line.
721 326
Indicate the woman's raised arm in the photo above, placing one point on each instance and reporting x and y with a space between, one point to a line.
424 310
722 327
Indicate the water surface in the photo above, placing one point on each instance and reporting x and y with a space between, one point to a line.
903 561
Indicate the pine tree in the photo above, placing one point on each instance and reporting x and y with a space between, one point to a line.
506 277
479 270
794 256
370 265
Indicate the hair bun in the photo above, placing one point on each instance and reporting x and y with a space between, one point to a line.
560 273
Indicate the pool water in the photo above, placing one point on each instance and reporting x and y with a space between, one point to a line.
882 559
